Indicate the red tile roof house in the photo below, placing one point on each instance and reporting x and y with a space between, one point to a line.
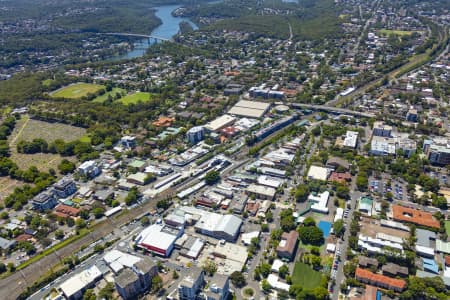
340 177
410 215
379 280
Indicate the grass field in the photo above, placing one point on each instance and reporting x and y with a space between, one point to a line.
396 32
135 98
102 98
76 91
28 129
447 227
305 276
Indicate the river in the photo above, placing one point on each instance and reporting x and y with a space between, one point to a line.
170 26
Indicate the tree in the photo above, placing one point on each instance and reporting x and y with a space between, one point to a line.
89 295
107 292
98 212
265 269
339 228
145 221
66 167
287 220
2 268
265 286
238 279
59 234
301 193
311 235
283 271
175 275
157 283
133 196
212 177
11 267
209 267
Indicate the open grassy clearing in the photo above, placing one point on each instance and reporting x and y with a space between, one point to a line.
113 92
387 32
7 186
135 98
28 129
447 227
76 91
305 276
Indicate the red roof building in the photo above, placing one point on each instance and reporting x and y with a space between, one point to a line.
379 280
410 215
66 211
340 177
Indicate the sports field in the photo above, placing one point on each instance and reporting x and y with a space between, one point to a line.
305 276
76 91
113 92
135 98
396 32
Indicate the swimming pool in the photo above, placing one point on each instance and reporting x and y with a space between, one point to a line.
325 227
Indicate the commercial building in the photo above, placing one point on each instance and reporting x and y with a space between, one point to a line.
261 192
319 202
317 173
381 129
219 288
365 205
288 245
379 280
44 201
137 279
251 109
74 287
230 257
218 226
377 245
158 239
65 187
382 146
438 154
275 126
351 139
410 215
191 284
219 123
195 134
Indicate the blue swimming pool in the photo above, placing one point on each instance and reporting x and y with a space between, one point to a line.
325 227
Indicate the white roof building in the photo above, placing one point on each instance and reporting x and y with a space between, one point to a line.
351 139
246 238
320 202
318 173
75 285
269 181
251 109
276 283
339 214
220 122
157 240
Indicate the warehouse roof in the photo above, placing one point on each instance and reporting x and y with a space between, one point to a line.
154 236
220 122
252 109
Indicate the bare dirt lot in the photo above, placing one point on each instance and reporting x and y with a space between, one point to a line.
371 227
7 185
